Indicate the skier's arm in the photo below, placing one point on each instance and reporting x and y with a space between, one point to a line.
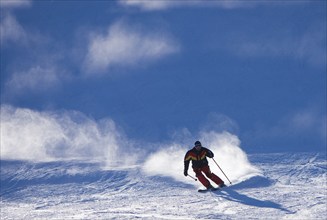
186 164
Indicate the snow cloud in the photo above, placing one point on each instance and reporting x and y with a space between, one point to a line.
168 160
220 123
164 4
44 136
11 30
68 135
40 69
148 5
125 45
309 46
35 79
7 4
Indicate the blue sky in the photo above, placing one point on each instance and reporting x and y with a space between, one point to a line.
162 69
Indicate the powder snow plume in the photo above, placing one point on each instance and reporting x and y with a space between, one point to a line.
168 161
46 136
70 135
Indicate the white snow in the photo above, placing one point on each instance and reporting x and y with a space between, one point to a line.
291 186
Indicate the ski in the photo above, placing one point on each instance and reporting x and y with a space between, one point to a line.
208 190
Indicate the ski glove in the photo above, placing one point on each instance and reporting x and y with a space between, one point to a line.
185 173
210 154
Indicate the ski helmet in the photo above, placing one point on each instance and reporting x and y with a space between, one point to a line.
197 143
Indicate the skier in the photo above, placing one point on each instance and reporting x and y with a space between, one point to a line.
198 156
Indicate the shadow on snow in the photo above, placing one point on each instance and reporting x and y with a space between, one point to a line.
232 195
254 182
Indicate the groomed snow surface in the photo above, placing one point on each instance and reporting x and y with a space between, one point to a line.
289 186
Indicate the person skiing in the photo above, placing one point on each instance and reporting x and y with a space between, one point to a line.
200 165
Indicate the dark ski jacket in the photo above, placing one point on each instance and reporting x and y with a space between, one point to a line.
199 158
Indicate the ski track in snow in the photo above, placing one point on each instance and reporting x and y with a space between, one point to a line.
293 186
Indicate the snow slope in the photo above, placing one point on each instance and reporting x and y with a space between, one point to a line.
291 186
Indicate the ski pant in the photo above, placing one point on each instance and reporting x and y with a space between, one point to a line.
206 170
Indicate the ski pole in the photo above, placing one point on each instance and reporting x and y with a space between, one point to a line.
222 171
192 177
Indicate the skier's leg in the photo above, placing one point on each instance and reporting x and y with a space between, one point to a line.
201 178
212 176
